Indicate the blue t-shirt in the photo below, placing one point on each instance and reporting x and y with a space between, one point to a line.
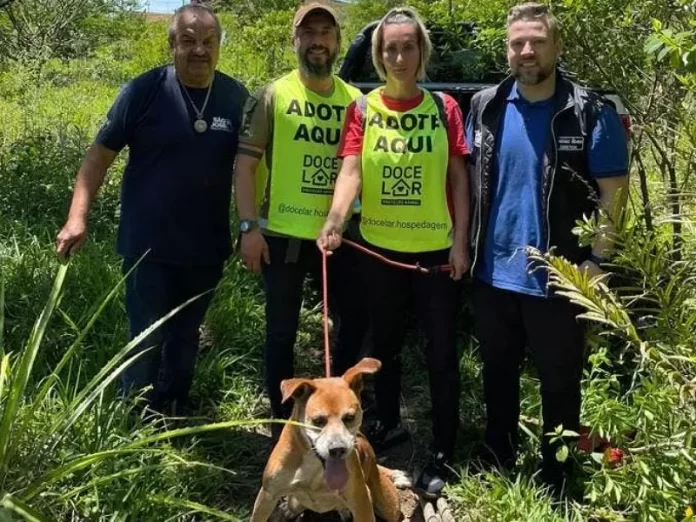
515 220
177 183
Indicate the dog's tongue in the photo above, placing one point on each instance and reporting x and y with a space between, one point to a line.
336 474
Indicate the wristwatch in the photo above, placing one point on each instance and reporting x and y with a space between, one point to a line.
247 225
597 260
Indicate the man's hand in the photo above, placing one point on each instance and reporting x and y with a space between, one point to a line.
89 178
254 248
330 236
592 269
459 260
71 238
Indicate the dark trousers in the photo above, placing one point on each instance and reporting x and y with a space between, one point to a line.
154 289
505 322
391 290
291 261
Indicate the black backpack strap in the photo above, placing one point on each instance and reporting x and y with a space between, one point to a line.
474 108
439 98
594 104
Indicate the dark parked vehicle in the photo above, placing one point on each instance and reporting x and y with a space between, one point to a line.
454 68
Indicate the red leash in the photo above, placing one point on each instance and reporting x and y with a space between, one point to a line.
324 277
416 267
327 347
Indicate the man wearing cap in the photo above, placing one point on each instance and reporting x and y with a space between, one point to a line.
180 123
284 178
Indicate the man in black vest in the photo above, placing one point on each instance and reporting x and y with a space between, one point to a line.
181 124
545 151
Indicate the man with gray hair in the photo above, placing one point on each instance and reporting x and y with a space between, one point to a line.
180 123
545 152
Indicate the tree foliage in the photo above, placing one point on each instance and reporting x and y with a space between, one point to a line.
37 30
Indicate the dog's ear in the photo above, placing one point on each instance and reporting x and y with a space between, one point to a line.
296 388
353 376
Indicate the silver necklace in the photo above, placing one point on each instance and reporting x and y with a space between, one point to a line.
199 124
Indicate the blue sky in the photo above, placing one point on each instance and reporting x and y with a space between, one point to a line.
162 6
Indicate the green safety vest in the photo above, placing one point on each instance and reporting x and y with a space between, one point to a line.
404 177
307 127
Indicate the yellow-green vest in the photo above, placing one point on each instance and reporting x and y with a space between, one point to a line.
307 127
404 177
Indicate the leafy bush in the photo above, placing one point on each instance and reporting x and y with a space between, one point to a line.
67 449
649 417
33 32
38 171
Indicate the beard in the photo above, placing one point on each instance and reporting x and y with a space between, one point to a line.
316 70
532 78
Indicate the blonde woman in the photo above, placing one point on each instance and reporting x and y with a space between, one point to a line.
403 152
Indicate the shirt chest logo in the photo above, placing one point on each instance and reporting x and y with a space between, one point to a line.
221 124
571 143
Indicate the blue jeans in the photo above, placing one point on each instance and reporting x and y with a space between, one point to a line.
153 289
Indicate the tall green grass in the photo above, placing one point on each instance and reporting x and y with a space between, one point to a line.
68 449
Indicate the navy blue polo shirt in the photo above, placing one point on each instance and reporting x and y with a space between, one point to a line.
516 219
177 183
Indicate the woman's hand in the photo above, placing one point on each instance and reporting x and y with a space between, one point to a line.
330 236
459 260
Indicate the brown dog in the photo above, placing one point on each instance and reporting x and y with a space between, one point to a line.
327 465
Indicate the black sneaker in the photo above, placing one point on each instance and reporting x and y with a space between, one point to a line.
433 479
382 438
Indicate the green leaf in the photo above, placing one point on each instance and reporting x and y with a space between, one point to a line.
562 453
109 372
138 470
194 507
690 60
193 430
608 486
663 52
652 44
21 377
4 374
27 512
2 315
59 473
50 381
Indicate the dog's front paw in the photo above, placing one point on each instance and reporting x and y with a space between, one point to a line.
345 515
285 511
401 479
